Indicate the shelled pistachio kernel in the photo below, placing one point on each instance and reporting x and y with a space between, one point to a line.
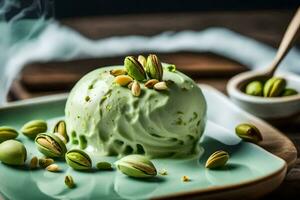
53 168
117 72
154 68
289 92
45 162
123 80
254 88
151 83
136 89
7 133
134 68
78 159
185 178
160 86
32 128
248 132
142 60
69 182
13 152
104 166
217 159
137 166
61 128
274 87
50 145
34 163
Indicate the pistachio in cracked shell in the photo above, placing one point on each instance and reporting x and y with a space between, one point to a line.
78 159
134 68
137 166
61 128
274 87
217 159
154 67
50 145
248 132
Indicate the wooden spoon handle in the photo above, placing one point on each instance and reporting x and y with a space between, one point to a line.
286 43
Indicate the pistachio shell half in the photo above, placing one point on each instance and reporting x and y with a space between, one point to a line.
137 166
78 159
217 159
50 145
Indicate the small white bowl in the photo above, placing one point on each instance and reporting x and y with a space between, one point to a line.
266 108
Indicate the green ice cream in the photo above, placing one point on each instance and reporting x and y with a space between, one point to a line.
105 117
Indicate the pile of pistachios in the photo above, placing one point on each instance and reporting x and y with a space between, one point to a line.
142 71
273 87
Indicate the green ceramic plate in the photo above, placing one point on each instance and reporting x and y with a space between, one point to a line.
251 170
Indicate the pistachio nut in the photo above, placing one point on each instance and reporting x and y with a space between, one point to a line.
136 89
142 60
217 159
254 88
78 159
134 68
117 72
34 163
104 166
123 80
50 145
289 92
53 168
137 166
13 152
69 181
61 128
160 86
45 162
151 83
274 87
154 68
248 132
7 133
33 128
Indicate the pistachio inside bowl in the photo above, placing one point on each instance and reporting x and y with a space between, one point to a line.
269 108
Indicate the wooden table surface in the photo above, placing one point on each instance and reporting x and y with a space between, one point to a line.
39 79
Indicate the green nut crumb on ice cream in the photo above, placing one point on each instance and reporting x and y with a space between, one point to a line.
105 117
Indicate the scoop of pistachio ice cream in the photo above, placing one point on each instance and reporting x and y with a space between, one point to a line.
106 118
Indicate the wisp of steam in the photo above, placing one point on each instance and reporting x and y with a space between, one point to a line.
28 34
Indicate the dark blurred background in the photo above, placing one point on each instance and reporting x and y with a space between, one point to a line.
79 8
